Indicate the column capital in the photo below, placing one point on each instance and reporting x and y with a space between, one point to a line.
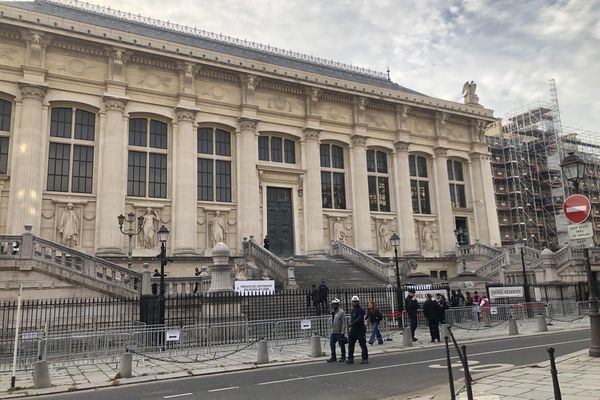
311 133
401 146
186 113
440 151
35 90
114 103
358 140
477 156
248 124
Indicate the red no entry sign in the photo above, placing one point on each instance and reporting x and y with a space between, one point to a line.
577 208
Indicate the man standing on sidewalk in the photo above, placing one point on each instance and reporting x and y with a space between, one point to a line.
339 327
411 305
358 332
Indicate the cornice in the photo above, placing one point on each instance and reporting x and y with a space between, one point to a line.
76 47
281 87
218 75
153 62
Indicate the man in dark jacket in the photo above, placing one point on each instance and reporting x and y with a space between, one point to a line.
323 294
431 310
357 332
411 305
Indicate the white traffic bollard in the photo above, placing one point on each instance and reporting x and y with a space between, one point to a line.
41 375
315 347
407 338
125 365
262 356
542 326
513 329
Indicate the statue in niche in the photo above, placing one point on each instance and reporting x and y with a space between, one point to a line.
384 237
427 237
468 92
217 228
151 221
68 227
339 231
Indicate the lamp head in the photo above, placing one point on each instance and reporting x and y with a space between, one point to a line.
130 217
140 221
121 219
163 234
395 240
573 167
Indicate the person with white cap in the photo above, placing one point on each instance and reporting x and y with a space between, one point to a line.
357 332
339 327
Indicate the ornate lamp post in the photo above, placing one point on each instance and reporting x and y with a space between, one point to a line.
163 236
573 168
461 236
395 241
522 244
131 231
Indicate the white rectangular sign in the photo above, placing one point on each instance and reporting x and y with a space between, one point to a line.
305 324
172 335
255 288
494 310
586 243
421 295
581 231
505 292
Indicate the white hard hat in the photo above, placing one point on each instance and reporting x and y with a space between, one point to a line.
335 301
355 298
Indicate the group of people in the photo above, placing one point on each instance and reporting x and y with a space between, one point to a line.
356 330
318 298
480 304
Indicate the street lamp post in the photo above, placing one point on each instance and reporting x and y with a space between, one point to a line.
525 282
461 235
573 168
163 236
395 241
131 231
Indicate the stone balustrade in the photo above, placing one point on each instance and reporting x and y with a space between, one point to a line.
183 285
362 260
265 259
490 268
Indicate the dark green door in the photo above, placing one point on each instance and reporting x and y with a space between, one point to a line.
280 221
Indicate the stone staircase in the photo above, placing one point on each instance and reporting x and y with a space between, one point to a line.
336 271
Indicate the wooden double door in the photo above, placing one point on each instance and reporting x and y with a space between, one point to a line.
280 221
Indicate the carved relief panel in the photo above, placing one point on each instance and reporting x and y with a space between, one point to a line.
339 228
427 234
153 79
338 112
77 67
214 226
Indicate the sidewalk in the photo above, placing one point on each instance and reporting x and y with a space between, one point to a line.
69 378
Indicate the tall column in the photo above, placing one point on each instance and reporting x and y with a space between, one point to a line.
248 182
312 193
444 206
484 201
27 181
406 222
360 189
112 177
185 198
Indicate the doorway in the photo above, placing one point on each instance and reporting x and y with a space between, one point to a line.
280 221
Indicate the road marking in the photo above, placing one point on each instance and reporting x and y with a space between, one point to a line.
177 395
454 365
488 367
225 388
357 371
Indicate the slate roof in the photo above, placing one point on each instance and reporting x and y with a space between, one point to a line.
147 30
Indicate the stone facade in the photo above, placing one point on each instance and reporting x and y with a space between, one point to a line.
120 87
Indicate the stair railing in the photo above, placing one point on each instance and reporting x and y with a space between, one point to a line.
363 261
264 258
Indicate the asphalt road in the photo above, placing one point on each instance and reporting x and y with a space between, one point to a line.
387 375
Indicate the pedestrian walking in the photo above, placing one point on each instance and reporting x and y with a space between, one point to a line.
443 306
476 305
431 310
357 332
486 309
197 275
374 316
339 327
411 305
323 294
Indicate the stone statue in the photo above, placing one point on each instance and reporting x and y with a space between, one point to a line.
339 231
468 92
217 228
384 237
68 228
241 274
151 221
427 237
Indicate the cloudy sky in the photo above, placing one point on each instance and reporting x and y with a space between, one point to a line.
509 47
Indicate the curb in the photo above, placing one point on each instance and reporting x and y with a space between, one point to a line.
252 365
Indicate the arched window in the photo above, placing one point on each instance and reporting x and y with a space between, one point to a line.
457 184
5 118
333 184
71 150
419 184
147 158
276 149
214 164
379 189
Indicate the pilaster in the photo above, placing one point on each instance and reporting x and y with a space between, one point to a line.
484 201
248 182
360 190
312 194
406 222
112 176
28 144
185 198
444 206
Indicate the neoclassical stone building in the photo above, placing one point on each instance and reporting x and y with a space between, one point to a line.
103 113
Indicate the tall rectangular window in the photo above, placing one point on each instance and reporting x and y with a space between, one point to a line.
276 149
419 184
326 189
378 182
147 165
5 114
333 186
71 150
3 155
263 148
214 164
456 180
290 151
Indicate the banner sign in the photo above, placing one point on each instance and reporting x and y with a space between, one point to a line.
506 292
255 288
421 295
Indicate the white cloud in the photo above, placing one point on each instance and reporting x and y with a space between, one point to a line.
510 48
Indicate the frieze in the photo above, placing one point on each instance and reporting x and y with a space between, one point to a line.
154 62
8 34
420 113
280 87
335 97
78 48
378 105
279 103
218 75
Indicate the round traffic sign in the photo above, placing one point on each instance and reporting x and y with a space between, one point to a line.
577 208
